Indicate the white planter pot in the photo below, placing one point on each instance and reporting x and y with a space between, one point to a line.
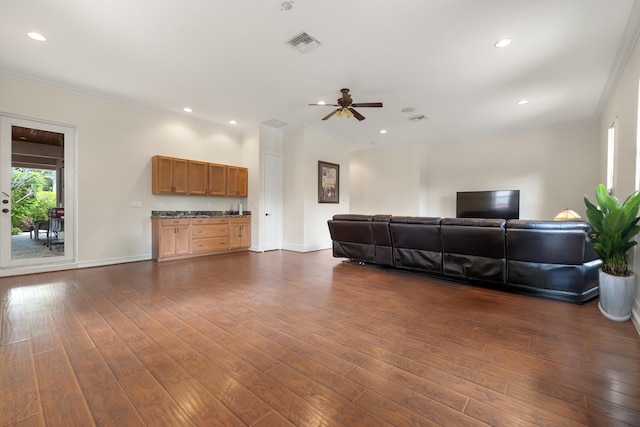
616 296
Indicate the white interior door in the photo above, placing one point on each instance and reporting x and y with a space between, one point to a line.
33 152
272 178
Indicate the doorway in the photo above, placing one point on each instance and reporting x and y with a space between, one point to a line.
36 219
272 179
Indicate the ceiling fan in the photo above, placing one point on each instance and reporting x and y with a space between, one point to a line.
346 106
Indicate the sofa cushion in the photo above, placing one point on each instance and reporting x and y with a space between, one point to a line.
352 237
474 249
549 242
416 243
383 248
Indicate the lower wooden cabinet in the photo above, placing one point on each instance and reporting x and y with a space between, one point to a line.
240 233
175 238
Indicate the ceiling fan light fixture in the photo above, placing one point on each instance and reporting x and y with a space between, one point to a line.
344 113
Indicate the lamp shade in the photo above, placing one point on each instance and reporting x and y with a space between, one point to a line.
567 214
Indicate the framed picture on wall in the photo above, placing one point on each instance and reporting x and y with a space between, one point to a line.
328 182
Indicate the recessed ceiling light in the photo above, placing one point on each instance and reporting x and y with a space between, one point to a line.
233 122
37 36
523 102
187 110
408 110
503 43
383 131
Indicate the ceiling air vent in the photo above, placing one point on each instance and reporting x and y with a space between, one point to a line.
417 118
303 43
275 123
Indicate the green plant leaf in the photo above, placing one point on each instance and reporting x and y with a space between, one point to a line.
614 226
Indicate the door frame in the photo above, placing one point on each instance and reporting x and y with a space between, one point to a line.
32 265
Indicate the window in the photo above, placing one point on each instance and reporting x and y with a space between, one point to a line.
611 151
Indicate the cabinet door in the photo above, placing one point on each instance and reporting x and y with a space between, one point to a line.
245 236
180 176
217 180
162 174
169 175
198 178
183 240
232 180
243 182
167 241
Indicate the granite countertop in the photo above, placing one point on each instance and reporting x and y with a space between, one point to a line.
198 214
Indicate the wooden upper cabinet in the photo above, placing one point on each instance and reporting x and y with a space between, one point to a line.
243 182
198 178
169 175
179 176
237 181
217 180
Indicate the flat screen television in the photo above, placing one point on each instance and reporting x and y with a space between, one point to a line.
501 204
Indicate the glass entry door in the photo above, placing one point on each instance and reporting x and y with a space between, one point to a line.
36 215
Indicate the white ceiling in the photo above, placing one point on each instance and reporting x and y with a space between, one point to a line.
231 60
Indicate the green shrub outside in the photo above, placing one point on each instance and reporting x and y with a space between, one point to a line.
32 196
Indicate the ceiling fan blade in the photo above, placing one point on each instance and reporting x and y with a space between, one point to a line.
367 104
357 115
324 105
331 113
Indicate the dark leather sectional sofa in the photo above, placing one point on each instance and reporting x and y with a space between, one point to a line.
552 259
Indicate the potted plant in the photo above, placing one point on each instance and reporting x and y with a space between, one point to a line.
614 226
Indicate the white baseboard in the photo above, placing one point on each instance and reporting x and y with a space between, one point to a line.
295 247
111 261
19 271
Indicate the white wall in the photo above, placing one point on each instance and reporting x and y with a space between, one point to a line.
305 219
115 143
320 146
552 168
622 108
387 180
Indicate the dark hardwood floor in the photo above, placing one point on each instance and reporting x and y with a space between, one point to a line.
283 338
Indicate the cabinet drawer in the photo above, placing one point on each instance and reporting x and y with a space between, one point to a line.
203 231
169 222
209 221
211 244
241 221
